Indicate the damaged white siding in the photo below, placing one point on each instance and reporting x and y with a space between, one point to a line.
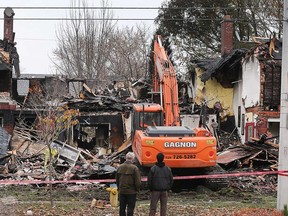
246 94
251 82
238 107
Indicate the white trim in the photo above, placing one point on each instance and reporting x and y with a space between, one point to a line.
274 120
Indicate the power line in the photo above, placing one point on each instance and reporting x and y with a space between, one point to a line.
132 19
121 8
64 19
36 39
80 8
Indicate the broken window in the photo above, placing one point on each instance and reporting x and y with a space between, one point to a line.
272 86
55 88
5 81
101 131
22 87
91 137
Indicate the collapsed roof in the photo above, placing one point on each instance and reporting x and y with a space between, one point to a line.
226 69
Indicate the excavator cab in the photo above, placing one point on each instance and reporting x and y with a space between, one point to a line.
149 119
145 115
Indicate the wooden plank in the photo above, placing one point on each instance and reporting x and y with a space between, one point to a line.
275 145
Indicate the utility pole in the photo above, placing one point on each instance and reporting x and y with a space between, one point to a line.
282 192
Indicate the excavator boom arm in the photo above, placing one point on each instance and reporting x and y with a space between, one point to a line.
165 82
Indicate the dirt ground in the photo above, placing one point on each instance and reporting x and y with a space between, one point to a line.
76 200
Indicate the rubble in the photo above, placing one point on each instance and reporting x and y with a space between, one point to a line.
265 184
102 137
74 163
28 161
254 155
258 154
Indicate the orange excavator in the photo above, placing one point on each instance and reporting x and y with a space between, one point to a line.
156 126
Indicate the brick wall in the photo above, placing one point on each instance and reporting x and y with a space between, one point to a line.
226 36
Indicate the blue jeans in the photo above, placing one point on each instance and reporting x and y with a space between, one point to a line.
129 201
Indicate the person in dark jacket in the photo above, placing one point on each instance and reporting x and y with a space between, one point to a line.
128 181
160 181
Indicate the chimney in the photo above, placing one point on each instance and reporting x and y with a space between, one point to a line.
226 36
8 24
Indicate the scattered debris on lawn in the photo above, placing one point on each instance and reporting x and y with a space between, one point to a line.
27 161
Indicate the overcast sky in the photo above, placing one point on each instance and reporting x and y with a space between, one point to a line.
36 39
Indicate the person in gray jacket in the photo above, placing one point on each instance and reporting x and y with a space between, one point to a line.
160 181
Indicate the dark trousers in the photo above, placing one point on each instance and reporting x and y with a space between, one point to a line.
155 196
129 201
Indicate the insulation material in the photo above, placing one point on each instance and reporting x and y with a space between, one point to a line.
251 83
190 120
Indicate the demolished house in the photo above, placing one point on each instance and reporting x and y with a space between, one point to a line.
103 123
247 83
9 60
100 129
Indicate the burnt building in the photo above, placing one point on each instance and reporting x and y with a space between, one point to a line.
9 62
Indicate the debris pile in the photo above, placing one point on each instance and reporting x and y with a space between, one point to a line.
261 184
257 154
111 98
29 160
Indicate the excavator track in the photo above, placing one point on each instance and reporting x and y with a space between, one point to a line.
215 184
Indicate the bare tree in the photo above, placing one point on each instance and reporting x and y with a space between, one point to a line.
91 47
83 42
129 52
52 119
